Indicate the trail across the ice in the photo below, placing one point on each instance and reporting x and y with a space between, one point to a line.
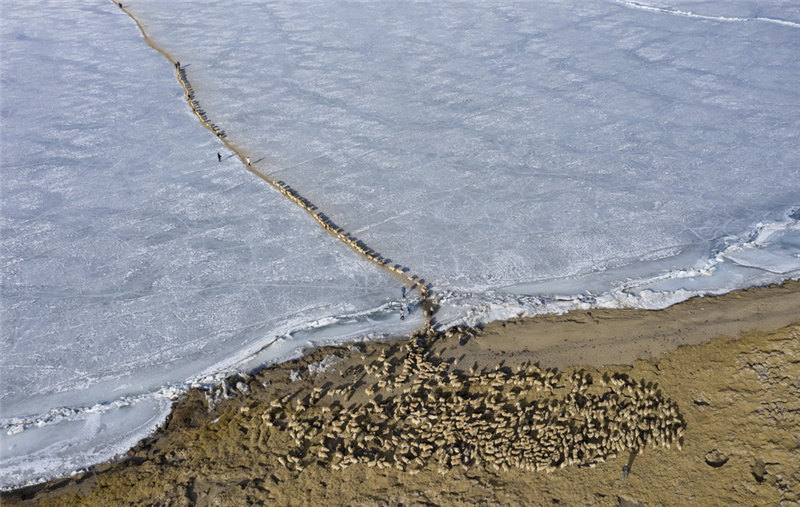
404 273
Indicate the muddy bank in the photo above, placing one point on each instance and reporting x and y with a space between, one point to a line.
484 417
602 337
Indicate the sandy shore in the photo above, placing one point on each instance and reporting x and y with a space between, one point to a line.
700 401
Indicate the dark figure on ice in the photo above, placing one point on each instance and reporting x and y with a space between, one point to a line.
404 292
120 5
219 157
178 65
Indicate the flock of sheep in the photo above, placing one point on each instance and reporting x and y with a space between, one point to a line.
417 411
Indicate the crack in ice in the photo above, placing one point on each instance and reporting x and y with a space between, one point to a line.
690 14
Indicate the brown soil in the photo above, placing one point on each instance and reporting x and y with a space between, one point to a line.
727 371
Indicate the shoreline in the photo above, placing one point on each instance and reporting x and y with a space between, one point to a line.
601 337
601 342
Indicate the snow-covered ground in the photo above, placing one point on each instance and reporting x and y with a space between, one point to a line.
521 156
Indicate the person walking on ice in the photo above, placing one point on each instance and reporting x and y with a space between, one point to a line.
247 159
219 157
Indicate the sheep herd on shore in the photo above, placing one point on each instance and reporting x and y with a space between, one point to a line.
418 411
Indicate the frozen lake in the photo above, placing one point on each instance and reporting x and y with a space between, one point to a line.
498 148
522 157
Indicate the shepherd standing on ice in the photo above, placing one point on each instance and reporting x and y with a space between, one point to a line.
219 157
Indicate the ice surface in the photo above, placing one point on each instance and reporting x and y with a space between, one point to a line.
524 157
131 259
499 145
